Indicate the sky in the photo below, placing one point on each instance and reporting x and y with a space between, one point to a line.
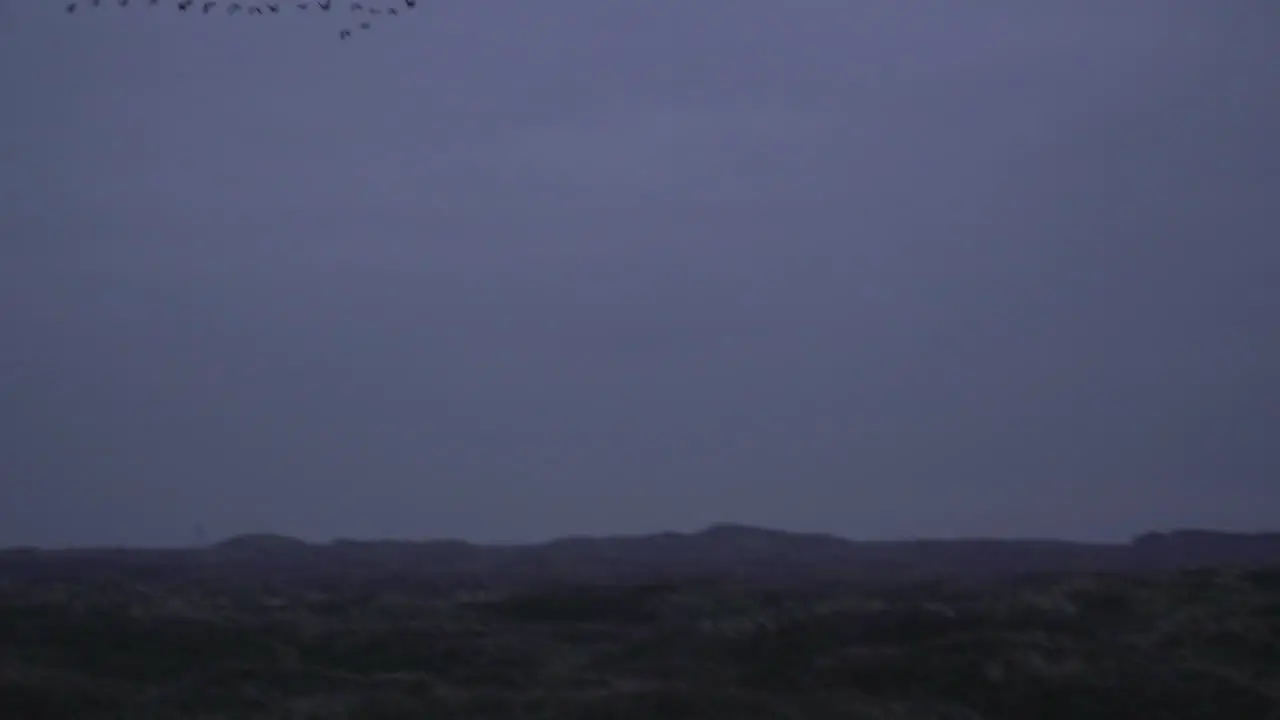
505 271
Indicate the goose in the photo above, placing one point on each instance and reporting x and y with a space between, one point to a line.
344 34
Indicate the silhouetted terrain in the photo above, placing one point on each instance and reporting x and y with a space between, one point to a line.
731 622
725 552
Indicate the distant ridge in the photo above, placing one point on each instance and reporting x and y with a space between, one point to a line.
724 551
257 542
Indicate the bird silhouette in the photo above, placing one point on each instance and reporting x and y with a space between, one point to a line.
259 8
411 3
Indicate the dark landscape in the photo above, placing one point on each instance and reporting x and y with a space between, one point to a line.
730 622
313 312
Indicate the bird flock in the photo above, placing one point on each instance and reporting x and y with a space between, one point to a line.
362 14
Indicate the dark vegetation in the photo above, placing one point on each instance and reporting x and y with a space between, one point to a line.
251 629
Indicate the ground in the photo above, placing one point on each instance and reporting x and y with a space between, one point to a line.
1188 644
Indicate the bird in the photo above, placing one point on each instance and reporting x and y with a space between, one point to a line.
325 5
411 3
255 10
356 7
71 8
273 7
344 34
375 11
208 6
364 26
392 11
185 4
233 9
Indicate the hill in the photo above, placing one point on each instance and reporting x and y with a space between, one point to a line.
739 553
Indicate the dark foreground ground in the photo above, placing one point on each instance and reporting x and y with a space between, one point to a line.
1202 644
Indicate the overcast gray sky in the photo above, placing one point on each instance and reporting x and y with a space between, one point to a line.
505 270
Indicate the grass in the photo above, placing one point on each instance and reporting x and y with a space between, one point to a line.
1202 644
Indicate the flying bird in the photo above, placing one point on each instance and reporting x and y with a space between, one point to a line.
208 6
71 8
364 26
392 11
255 10
325 5
411 3
273 7
344 34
